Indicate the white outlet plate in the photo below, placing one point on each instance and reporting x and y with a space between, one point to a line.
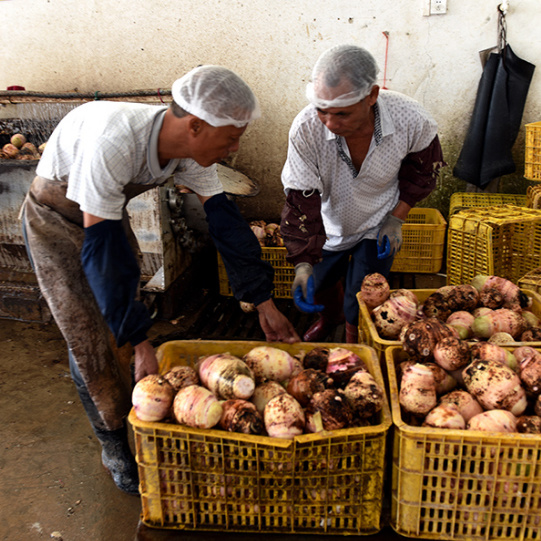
434 7
438 7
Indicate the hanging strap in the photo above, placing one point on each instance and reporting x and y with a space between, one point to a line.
502 28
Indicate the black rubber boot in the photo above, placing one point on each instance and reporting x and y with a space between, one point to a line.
118 460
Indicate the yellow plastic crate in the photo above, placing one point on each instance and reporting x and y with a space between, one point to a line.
531 280
214 480
284 273
369 335
462 484
502 241
423 240
533 197
423 237
532 157
466 200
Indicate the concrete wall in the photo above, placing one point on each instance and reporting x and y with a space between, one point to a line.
99 45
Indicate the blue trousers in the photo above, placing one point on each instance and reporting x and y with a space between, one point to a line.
351 265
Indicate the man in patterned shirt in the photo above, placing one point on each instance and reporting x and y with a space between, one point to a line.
77 231
358 159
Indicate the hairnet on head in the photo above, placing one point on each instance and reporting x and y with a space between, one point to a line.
216 95
343 75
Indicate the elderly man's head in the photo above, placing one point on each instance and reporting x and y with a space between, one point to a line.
342 76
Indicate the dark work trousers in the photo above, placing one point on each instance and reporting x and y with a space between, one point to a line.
352 265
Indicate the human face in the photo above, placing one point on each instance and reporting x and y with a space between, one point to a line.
213 145
351 121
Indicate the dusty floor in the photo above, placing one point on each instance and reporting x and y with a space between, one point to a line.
51 478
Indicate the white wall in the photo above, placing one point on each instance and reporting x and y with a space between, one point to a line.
100 45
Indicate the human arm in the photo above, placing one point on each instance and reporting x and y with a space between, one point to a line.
113 275
418 175
303 233
275 325
417 179
251 278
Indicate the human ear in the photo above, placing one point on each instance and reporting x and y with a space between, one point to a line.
194 125
373 96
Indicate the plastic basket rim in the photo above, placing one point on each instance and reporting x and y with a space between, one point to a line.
382 427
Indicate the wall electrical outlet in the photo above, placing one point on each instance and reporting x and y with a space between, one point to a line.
437 7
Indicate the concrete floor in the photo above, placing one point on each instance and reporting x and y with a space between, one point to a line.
52 482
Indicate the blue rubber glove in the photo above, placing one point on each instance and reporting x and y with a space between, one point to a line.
390 237
303 289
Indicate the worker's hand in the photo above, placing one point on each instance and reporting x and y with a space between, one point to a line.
275 325
303 289
145 360
390 237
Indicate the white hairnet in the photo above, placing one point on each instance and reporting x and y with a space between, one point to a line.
342 76
217 95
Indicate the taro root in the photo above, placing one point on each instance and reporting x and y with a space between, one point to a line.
241 416
364 394
226 376
529 424
328 410
537 406
264 392
258 229
501 320
481 311
491 298
443 380
530 373
445 416
18 140
462 322
197 407
492 288
495 386
530 319
405 293
391 316
501 338
496 420
267 362
420 337
284 417
452 353
306 383
463 297
464 401
11 151
374 290
181 376
487 351
317 359
152 397
533 334
417 389
436 306
342 364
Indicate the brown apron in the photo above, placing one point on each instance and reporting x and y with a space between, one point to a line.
55 234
